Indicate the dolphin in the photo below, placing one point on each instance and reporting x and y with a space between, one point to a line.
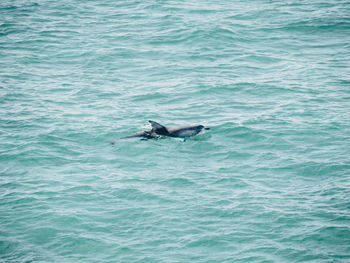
159 131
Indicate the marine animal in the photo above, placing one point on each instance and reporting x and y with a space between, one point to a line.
158 131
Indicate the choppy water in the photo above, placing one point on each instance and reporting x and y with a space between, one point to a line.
269 183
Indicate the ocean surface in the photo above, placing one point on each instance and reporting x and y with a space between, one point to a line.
270 182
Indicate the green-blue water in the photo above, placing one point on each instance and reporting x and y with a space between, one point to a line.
270 182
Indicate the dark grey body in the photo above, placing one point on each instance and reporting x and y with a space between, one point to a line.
159 130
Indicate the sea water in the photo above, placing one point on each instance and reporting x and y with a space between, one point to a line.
270 182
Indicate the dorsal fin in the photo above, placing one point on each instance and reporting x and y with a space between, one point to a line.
158 128
156 125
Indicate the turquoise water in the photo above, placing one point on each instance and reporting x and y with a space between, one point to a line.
270 182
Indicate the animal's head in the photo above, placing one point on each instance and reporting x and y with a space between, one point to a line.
201 128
